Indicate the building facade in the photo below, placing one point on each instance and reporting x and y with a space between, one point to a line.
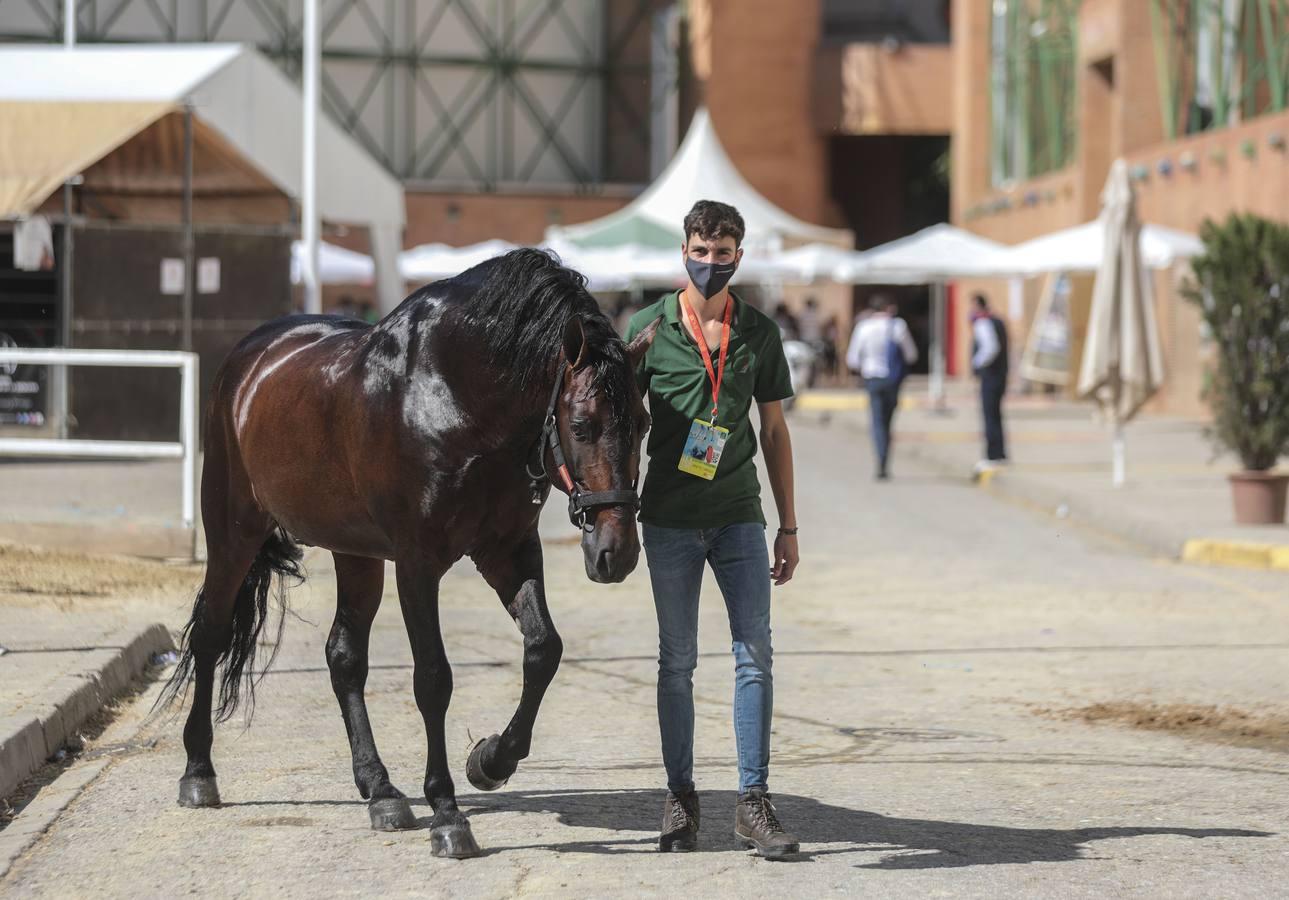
1191 94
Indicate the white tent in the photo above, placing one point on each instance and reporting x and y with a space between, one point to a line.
1082 249
933 256
936 254
63 109
700 169
811 263
336 265
431 262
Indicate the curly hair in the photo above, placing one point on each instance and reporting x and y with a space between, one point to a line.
712 221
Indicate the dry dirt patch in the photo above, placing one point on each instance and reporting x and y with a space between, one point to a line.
36 571
1224 725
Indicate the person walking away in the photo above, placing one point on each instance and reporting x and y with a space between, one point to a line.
881 350
989 360
712 356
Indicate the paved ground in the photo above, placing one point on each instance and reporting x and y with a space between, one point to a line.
928 627
1176 489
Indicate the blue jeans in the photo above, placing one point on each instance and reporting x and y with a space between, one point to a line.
883 398
739 559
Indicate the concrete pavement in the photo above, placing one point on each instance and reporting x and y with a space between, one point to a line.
923 655
1176 501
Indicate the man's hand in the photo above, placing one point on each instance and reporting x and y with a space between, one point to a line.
786 557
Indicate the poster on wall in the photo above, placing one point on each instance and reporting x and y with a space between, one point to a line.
1047 351
22 389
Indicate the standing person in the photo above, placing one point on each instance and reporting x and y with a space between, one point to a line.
881 350
714 355
989 360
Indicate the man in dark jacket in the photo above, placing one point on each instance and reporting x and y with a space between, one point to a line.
989 356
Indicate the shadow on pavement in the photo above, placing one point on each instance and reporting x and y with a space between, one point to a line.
934 844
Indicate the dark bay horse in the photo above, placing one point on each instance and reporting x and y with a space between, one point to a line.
422 439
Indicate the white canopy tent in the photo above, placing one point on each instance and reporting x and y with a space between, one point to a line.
1082 249
701 168
62 109
336 265
934 256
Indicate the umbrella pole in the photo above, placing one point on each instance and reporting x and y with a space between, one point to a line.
1118 455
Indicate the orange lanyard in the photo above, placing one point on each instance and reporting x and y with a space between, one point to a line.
718 373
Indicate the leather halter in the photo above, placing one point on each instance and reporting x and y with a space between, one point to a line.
579 501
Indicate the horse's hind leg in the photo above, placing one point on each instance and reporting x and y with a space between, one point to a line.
418 594
360 582
517 578
210 635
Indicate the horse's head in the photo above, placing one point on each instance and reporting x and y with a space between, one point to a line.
601 419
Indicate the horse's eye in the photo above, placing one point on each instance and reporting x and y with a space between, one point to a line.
581 430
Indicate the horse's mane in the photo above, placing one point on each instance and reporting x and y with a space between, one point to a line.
521 302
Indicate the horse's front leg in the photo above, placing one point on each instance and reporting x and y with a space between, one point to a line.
517 578
418 594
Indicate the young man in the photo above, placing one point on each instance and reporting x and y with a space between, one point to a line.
989 360
712 356
876 336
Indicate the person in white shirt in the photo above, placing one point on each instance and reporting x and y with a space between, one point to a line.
881 350
989 360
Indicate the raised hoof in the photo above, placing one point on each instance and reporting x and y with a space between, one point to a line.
474 767
198 791
454 841
391 814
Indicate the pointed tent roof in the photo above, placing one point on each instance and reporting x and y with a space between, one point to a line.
701 168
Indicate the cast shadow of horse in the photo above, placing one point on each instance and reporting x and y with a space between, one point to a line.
935 844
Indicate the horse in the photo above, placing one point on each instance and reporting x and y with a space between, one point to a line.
433 435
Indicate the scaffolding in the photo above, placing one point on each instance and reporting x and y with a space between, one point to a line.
1219 61
1032 89
480 94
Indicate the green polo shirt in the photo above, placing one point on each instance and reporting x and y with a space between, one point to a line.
680 391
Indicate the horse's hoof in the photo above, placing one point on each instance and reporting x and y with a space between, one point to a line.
198 791
391 814
474 767
453 841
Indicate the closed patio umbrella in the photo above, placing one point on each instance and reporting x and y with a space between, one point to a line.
1122 364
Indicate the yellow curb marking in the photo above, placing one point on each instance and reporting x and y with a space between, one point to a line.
1241 554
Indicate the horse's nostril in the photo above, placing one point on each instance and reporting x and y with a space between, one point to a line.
604 562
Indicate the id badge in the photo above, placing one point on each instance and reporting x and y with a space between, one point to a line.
702 453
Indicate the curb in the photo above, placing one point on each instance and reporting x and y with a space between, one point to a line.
1239 554
27 741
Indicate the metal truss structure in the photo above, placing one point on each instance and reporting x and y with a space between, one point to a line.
1220 61
1034 76
479 94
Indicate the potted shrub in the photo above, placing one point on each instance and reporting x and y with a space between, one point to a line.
1242 288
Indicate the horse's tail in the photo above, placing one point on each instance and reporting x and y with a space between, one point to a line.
279 556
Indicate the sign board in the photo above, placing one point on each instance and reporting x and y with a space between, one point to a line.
22 389
208 275
172 276
1047 352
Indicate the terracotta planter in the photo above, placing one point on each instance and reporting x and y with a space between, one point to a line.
1259 497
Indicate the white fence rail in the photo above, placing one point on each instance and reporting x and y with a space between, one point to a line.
184 449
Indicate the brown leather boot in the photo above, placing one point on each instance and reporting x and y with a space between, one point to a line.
757 826
680 823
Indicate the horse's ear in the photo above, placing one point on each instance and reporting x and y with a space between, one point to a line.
641 342
574 342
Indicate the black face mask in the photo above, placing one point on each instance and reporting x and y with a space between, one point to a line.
709 278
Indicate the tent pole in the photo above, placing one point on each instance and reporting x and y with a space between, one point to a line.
189 240
309 223
937 345
61 376
1119 462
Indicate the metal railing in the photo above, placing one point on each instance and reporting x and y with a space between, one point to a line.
184 449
